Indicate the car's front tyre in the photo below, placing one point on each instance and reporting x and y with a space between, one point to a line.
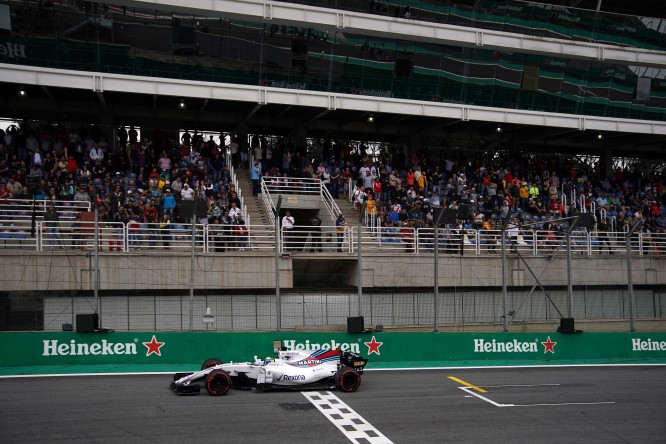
218 382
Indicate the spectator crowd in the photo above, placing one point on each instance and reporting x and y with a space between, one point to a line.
146 179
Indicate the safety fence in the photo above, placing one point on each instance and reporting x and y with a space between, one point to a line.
120 237
211 238
255 312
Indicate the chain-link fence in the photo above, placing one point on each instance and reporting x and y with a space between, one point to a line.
225 277
313 310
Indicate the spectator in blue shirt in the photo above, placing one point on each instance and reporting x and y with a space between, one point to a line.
168 203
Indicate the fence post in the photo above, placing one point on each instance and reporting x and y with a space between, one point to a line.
278 249
636 226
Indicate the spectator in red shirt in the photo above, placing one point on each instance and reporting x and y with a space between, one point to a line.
377 189
556 207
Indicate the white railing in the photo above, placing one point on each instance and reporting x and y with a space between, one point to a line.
292 185
18 234
322 239
223 238
237 189
81 235
329 202
386 239
267 200
273 186
348 186
23 208
119 237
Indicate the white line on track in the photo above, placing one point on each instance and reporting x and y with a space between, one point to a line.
520 385
350 423
488 400
564 403
496 404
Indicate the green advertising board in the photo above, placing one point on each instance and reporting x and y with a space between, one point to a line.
161 351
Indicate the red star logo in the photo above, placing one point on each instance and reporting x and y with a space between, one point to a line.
373 346
153 347
549 346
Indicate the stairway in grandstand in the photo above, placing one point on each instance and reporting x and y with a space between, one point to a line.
347 209
255 208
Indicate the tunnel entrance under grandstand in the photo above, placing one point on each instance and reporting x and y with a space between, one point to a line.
322 274
307 235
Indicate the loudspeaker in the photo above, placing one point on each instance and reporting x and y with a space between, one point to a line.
355 325
585 220
186 209
87 323
463 212
566 325
450 216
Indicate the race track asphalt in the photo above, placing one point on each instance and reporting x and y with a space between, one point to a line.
497 405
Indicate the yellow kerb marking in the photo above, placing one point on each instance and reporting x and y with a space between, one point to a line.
467 384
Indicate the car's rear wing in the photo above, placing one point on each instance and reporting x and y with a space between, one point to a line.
353 360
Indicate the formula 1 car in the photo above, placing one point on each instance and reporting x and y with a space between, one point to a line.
322 369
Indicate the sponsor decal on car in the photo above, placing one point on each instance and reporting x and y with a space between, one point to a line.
318 357
292 378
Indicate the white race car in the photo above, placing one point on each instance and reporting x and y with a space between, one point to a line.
291 370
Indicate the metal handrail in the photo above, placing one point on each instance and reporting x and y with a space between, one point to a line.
239 193
272 186
120 237
23 208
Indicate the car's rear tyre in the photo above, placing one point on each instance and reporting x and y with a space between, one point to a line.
347 380
218 382
212 362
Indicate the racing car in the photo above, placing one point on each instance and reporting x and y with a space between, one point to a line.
322 369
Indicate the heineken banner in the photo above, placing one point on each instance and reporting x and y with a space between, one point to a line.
21 349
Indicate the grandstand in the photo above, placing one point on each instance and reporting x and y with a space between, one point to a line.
475 97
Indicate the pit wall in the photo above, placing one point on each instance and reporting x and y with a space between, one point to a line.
73 352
